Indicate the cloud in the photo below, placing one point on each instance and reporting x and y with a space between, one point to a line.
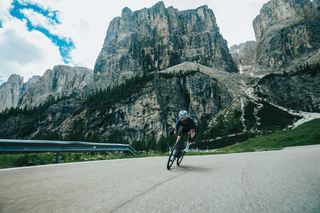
25 53
43 20
29 44
20 50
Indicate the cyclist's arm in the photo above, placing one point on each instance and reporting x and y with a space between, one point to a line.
179 128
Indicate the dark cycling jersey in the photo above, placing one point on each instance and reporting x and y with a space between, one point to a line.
185 127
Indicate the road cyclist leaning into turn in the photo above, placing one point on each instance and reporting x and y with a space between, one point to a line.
185 126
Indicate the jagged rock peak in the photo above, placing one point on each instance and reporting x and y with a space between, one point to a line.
159 5
126 12
62 80
276 11
15 79
157 38
10 92
33 79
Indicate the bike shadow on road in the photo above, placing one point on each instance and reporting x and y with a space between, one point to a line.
192 168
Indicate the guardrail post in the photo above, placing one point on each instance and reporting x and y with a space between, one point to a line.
58 157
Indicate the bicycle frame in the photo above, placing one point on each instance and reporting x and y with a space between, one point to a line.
178 147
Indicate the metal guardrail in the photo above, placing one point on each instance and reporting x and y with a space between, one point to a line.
8 146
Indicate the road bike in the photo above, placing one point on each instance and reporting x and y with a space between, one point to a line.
177 151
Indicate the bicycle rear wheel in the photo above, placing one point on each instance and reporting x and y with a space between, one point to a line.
171 159
179 160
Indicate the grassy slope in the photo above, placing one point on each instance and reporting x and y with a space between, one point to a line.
306 134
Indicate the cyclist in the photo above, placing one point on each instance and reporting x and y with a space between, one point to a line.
185 125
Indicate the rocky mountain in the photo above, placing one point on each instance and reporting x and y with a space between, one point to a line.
33 80
288 43
10 92
157 38
244 55
145 108
297 91
287 32
61 81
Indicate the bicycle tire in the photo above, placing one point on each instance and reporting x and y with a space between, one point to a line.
171 159
179 160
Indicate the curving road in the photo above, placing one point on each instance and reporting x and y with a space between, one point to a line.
273 181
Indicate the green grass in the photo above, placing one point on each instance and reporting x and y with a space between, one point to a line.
306 134
8 160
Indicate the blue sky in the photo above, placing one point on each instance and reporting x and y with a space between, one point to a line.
36 35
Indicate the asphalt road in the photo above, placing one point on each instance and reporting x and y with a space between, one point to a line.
273 181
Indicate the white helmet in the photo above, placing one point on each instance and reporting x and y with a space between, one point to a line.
183 114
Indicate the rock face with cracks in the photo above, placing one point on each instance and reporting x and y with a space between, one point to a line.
157 38
61 81
10 92
147 113
287 31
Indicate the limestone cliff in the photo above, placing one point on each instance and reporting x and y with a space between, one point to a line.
297 91
146 107
61 81
146 111
157 38
287 32
10 92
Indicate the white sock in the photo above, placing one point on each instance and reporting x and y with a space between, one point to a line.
187 146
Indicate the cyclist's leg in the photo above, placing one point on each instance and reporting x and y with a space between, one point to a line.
181 145
191 134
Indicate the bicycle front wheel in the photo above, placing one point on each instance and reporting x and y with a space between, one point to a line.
171 159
